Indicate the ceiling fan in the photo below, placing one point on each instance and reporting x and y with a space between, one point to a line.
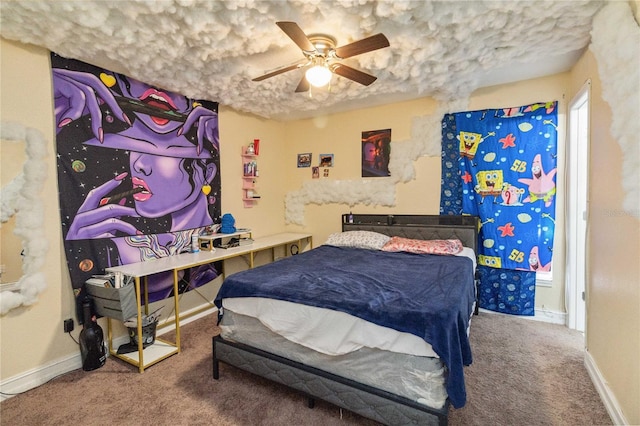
323 57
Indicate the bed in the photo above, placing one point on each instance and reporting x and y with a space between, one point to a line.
395 355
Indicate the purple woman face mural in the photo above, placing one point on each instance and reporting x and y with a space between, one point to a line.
171 143
154 174
133 160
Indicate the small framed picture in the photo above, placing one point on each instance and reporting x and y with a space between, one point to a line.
315 172
304 160
326 160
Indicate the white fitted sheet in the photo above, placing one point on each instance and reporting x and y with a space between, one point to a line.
309 326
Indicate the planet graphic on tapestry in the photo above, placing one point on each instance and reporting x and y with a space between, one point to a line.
86 265
78 166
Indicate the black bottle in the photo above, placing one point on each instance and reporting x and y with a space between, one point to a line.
91 341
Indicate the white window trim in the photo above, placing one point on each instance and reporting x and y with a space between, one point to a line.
544 279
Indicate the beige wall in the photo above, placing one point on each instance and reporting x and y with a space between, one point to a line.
237 130
32 336
341 135
613 274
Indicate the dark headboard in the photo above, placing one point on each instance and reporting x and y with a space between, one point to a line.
422 227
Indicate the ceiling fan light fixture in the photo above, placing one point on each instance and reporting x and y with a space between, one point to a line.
322 57
318 75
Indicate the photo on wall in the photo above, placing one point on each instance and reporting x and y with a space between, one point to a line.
376 149
304 160
326 160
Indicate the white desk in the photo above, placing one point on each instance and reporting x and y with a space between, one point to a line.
162 349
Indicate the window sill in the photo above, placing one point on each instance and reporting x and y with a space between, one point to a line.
544 282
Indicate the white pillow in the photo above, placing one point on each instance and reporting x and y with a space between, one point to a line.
358 239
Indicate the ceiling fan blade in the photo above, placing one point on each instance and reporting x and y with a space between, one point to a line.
297 65
365 45
303 86
353 74
296 34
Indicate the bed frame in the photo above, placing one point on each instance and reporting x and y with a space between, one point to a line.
367 401
422 227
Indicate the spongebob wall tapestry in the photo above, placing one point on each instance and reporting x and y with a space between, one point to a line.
137 173
500 165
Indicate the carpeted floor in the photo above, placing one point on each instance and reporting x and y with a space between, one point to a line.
524 373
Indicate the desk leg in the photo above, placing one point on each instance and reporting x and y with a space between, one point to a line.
251 260
176 308
109 335
140 342
146 295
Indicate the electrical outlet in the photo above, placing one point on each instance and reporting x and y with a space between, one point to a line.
68 325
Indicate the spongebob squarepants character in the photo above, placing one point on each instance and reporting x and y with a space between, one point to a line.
469 143
489 183
491 261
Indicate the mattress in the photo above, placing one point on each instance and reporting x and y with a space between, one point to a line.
307 325
429 296
417 378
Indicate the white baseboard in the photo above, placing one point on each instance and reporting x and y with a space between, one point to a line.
41 375
554 317
541 314
608 398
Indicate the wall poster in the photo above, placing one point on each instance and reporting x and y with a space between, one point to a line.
376 149
137 173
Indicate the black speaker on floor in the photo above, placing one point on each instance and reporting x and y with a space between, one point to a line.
91 338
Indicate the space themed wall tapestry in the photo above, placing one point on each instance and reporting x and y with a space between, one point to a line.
138 173
500 165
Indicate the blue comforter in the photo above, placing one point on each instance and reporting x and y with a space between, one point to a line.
427 295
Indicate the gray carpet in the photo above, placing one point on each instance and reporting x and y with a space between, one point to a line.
524 373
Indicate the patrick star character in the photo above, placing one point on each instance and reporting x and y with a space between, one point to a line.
534 261
542 186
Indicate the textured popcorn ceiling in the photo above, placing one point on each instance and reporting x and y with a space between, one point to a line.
212 49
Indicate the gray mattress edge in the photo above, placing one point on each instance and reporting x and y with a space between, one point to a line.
348 391
385 409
